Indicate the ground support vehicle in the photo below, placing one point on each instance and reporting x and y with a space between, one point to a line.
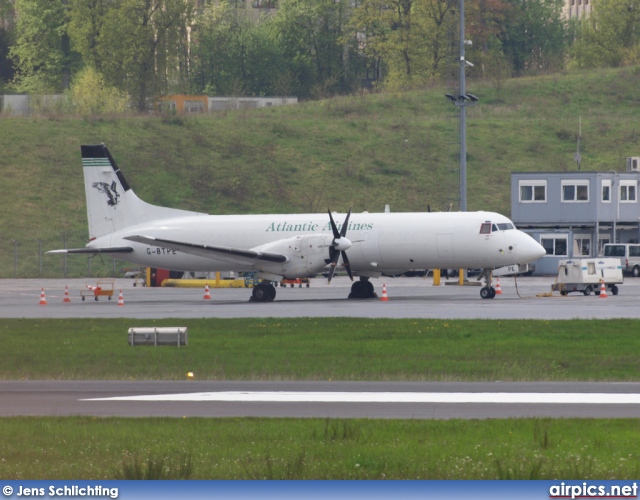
104 288
294 282
587 275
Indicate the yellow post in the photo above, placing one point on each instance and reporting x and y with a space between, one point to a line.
436 277
217 279
461 277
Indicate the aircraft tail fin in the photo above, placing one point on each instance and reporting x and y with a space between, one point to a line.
111 203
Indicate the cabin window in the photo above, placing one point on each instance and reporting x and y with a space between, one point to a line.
575 191
628 192
485 228
555 245
533 191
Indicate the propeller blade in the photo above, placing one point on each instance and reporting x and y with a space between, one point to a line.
343 231
338 246
334 228
347 264
334 263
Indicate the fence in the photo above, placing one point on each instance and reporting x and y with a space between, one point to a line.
27 258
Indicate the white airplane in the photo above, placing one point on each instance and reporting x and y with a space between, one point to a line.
291 245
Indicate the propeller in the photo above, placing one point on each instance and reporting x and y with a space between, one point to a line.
339 246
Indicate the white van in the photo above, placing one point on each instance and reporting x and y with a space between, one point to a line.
629 255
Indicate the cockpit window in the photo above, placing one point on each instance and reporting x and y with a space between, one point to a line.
505 226
485 228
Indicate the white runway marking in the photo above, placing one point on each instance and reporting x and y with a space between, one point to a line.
390 397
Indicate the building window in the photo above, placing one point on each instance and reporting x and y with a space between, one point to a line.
265 4
575 191
628 191
555 245
601 243
533 191
606 190
582 246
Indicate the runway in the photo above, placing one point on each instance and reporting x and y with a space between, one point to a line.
397 400
408 298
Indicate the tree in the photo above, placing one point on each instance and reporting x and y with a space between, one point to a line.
610 36
7 32
311 36
90 95
41 53
138 45
534 37
232 55
412 37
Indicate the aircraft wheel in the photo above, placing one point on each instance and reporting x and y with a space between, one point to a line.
485 292
362 289
358 290
261 293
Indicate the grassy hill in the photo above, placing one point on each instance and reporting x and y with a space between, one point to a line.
366 151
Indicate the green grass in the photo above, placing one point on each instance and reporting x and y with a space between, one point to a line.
227 448
321 349
326 349
365 151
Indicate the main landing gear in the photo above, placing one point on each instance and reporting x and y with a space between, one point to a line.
362 289
487 291
263 292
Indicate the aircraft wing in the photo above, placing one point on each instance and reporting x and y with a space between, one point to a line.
93 251
210 251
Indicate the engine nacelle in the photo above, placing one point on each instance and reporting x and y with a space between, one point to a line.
306 255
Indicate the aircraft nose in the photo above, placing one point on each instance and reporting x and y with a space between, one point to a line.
529 249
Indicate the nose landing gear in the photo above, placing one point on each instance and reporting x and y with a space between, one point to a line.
487 291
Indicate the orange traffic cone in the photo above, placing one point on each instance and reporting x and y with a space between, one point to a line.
43 299
384 293
207 295
498 289
603 290
120 299
66 295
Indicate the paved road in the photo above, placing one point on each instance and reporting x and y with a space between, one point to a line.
408 298
206 399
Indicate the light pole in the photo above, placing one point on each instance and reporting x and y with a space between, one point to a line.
462 101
